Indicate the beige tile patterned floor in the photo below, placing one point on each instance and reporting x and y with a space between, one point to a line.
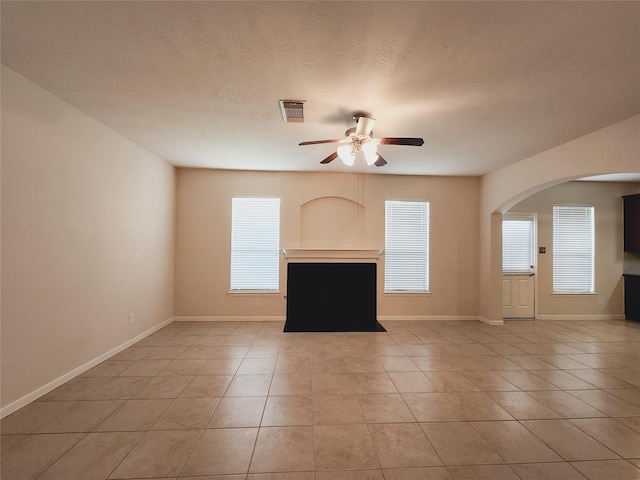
530 400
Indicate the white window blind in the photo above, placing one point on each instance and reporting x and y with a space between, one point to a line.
255 243
406 256
573 249
518 244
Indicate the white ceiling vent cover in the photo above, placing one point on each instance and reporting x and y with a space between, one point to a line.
292 110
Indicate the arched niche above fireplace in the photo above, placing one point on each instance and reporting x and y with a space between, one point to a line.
332 222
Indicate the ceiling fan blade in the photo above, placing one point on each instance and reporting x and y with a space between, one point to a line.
416 142
381 162
364 125
330 158
315 142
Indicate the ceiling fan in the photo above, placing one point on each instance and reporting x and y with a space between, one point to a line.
360 139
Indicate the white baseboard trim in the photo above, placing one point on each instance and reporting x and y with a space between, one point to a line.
247 318
393 318
491 322
581 317
21 402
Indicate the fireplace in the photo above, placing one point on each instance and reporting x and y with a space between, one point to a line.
325 295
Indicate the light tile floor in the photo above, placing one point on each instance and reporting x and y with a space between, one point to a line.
530 400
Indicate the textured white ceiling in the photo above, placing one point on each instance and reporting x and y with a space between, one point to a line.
485 84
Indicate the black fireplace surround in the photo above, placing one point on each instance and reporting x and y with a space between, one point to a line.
331 297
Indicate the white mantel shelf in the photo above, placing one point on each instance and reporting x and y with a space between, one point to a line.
331 254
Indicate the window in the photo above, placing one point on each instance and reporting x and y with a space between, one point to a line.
255 243
406 257
518 240
573 249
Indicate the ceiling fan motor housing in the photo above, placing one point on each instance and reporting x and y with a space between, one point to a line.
364 124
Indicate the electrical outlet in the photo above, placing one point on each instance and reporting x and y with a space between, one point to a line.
131 318
426 302
257 302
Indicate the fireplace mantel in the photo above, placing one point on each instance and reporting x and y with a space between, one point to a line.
331 254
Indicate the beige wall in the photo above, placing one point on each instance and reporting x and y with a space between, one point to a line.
607 200
613 149
88 222
349 209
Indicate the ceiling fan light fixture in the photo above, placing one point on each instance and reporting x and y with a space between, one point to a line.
369 148
371 158
346 154
370 151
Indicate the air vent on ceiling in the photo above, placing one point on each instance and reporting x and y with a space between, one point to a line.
292 110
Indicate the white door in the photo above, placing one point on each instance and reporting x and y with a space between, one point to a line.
518 296
518 265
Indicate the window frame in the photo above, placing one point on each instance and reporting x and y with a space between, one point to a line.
558 258
394 270
266 285
532 264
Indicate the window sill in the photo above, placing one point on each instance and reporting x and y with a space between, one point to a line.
580 295
261 293
407 294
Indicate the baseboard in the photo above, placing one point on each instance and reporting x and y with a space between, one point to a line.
427 318
581 317
491 322
247 318
21 402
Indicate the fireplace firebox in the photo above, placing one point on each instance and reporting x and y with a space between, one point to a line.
331 297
